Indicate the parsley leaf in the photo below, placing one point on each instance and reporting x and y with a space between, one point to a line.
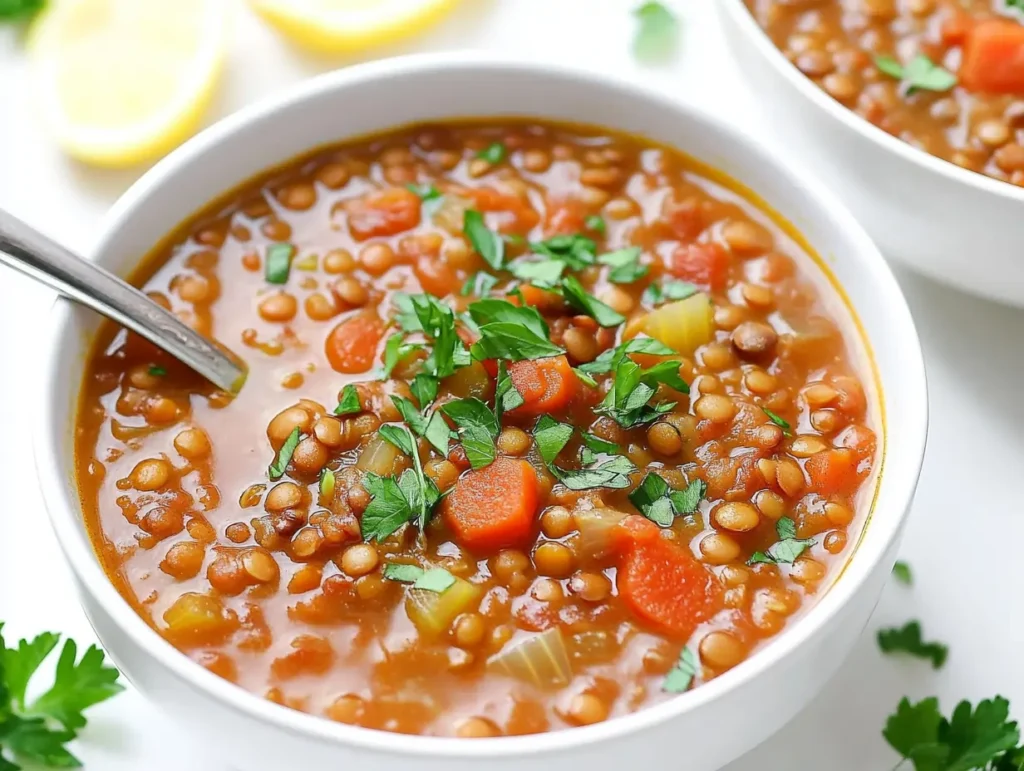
907 639
478 429
657 501
424 388
433 429
479 284
597 444
284 455
680 677
595 222
576 251
348 402
577 297
780 422
671 289
395 349
921 73
494 153
657 33
279 263
430 197
1014 6
609 360
157 371
543 273
610 472
633 387
485 241
973 738
510 331
506 397
433 580
395 502
19 664
551 437
625 265
77 686
901 570
787 549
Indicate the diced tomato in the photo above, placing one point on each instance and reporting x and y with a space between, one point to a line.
546 385
518 216
383 213
351 346
706 265
436 276
661 582
494 507
993 58
833 472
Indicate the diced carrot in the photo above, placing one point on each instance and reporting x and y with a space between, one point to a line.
546 385
384 213
516 215
564 217
955 27
351 346
833 472
993 58
494 507
706 265
662 583
436 276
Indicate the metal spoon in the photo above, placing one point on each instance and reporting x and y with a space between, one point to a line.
35 255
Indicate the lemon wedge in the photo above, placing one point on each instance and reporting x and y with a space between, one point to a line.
334 26
120 82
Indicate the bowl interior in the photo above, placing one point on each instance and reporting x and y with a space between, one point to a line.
370 98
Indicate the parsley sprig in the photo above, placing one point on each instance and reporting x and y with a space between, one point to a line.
37 731
657 501
786 549
919 74
610 470
908 639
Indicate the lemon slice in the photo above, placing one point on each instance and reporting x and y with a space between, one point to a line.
332 26
120 82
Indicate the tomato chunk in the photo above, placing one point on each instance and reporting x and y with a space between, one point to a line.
546 385
993 58
706 265
833 472
351 346
662 583
494 507
384 213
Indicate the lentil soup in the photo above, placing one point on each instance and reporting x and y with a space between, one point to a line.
543 425
947 76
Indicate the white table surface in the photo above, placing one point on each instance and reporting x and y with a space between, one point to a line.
964 532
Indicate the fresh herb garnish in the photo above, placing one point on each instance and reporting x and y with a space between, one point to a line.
1015 6
18 10
788 547
551 438
609 360
680 677
657 501
478 429
433 580
780 422
479 284
542 273
494 153
430 197
396 349
982 738
901 570
279 263
485 241
37 731
510 332
433 429
284 455
667 291
657 33
348 402
907 639
506 397
625 265
595 222
157 371
425 313
576 251
597 444
577 297
395 502
627 401
424 387
921 73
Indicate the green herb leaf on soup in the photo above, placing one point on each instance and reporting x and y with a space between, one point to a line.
787 549
403 573
432 580
284 456
597 444
396 349
551 437
608 472
479 284
430 197
780 422
348 403
686 500
393 502
279 263
907 639
157 371
424 387
657 501
506 397
657 32
627 401
920 73
433 429
680 677
542 273
19 10
586 379
494 153
510 332
485 241
595 222
576 251
609 360
625 265
400 437
478 429
901 570
578 297
667 291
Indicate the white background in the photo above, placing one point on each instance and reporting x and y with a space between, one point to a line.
965 531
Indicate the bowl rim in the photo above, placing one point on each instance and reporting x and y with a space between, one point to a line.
63 506
741 16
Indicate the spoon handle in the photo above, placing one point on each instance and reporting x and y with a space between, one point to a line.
30 252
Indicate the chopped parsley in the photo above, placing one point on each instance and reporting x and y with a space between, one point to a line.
279 263
393 502
552 437
37 731
348 402
542 273
609 360
494 153
433 580
657 501
577 297
595 222
901 570
628 400
786 549
430 197
479 284
157 371
920 74
327 484
484 241
284 456
576 251
657 33
667 291
506 397
625 265
478 429
433 429
511 332
780 422
907 639
680 677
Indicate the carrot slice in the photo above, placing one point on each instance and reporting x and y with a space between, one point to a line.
494 507
546 385
706 265
352 345
833 472
384 213
993 58
661 582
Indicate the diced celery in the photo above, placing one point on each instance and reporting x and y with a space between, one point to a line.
683 325
433 612
542 660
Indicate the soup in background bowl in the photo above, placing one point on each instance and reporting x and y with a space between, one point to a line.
545 425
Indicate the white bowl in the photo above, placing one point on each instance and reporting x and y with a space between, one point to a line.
714 723
954 225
